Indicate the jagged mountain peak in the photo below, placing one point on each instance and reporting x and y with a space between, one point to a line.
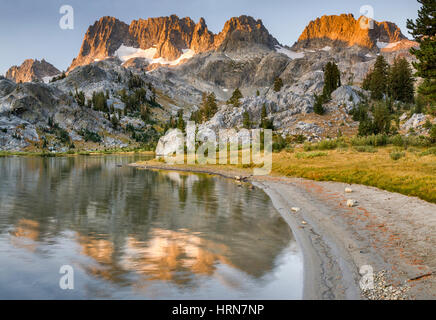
168 39
31 70
345 31
102 39
238 32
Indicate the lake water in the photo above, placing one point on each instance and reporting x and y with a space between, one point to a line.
136 234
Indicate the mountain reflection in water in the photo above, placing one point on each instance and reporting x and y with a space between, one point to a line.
131 233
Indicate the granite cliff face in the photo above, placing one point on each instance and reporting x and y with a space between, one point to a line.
170 37
240 33
31 70
102 39
345 31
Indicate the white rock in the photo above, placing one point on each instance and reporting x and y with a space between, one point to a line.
170 143
348 96
348 190
295 209
415 122
351 203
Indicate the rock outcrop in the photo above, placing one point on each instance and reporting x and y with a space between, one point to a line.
240 33
202 39
345 31
31 70
102 40
170 37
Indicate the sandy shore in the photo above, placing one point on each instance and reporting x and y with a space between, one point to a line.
392 233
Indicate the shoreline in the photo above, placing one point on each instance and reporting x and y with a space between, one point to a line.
72 154
336 241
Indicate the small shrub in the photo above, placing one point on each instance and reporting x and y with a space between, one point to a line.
395 155
433 134
427 125
405 142
323 145
90 136
429 152
372 140
278 84
310 155
299 138
398 140
318 107
135 82
280 143
366 149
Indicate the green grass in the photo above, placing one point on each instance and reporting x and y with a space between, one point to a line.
367 149
310 155
325 145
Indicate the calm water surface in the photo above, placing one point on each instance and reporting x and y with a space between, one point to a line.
137 234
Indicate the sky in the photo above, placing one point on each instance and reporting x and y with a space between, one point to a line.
30 29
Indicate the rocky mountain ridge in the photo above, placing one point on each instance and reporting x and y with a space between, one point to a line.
346 31
31 70
244 55
169 37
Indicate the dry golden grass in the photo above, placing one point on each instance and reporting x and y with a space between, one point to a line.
412 175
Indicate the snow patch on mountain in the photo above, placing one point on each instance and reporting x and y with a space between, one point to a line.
291 54
125 53
387 45
49 78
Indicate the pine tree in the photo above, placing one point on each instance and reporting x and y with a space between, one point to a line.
115 122
211 106
235 98
246 123
80 98
424 32
380 124
263 116
377 79
181 122
145 115
367 81
382 118
278 84
433 134
332 79
318 105
207 109
264 122
400 81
